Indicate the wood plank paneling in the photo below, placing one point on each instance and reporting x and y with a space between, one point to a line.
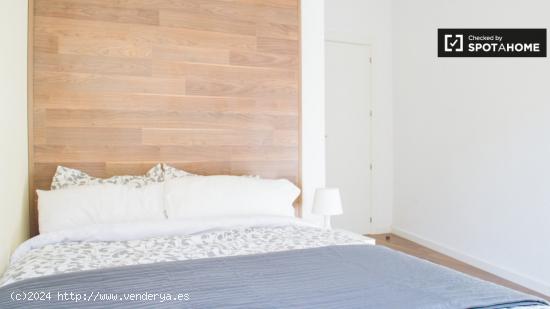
143 4
46 44
80 82
210 137
191 54
256 12
277 46
168 103
52 62
87 136
209 86
244 58
200 21
69 118
203 39
170 69
278 89
85 11
138 153
281 31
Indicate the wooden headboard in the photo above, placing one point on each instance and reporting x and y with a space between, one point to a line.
210 86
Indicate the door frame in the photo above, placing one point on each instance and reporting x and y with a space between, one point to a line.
328 39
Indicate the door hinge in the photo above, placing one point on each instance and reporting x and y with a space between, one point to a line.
370 166
370 59
371 113
370 219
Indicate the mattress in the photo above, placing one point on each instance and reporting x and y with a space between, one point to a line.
279 262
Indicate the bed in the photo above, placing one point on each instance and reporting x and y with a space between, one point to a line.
237 262
172 239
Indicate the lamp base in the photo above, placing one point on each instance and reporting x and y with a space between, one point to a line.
327 224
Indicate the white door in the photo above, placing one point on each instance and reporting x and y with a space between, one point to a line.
348 130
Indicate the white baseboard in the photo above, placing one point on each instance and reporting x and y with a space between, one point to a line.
528 282
380 230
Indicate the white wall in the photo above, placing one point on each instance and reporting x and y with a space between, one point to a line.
313 103
13 127
472 140
369 22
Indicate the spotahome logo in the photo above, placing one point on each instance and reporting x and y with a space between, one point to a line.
454 42
491 42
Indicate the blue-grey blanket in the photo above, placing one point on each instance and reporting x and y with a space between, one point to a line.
356 276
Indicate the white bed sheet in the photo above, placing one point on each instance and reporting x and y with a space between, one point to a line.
112 245
106 246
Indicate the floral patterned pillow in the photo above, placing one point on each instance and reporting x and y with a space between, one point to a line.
67 177
171 172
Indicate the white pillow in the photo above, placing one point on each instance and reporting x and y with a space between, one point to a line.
206 196
98 204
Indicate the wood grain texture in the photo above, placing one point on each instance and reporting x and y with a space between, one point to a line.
209 86
404 245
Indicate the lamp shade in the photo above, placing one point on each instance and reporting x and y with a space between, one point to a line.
327 202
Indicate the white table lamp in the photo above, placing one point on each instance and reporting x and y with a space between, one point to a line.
327 202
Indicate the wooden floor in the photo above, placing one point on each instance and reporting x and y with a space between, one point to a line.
412 248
